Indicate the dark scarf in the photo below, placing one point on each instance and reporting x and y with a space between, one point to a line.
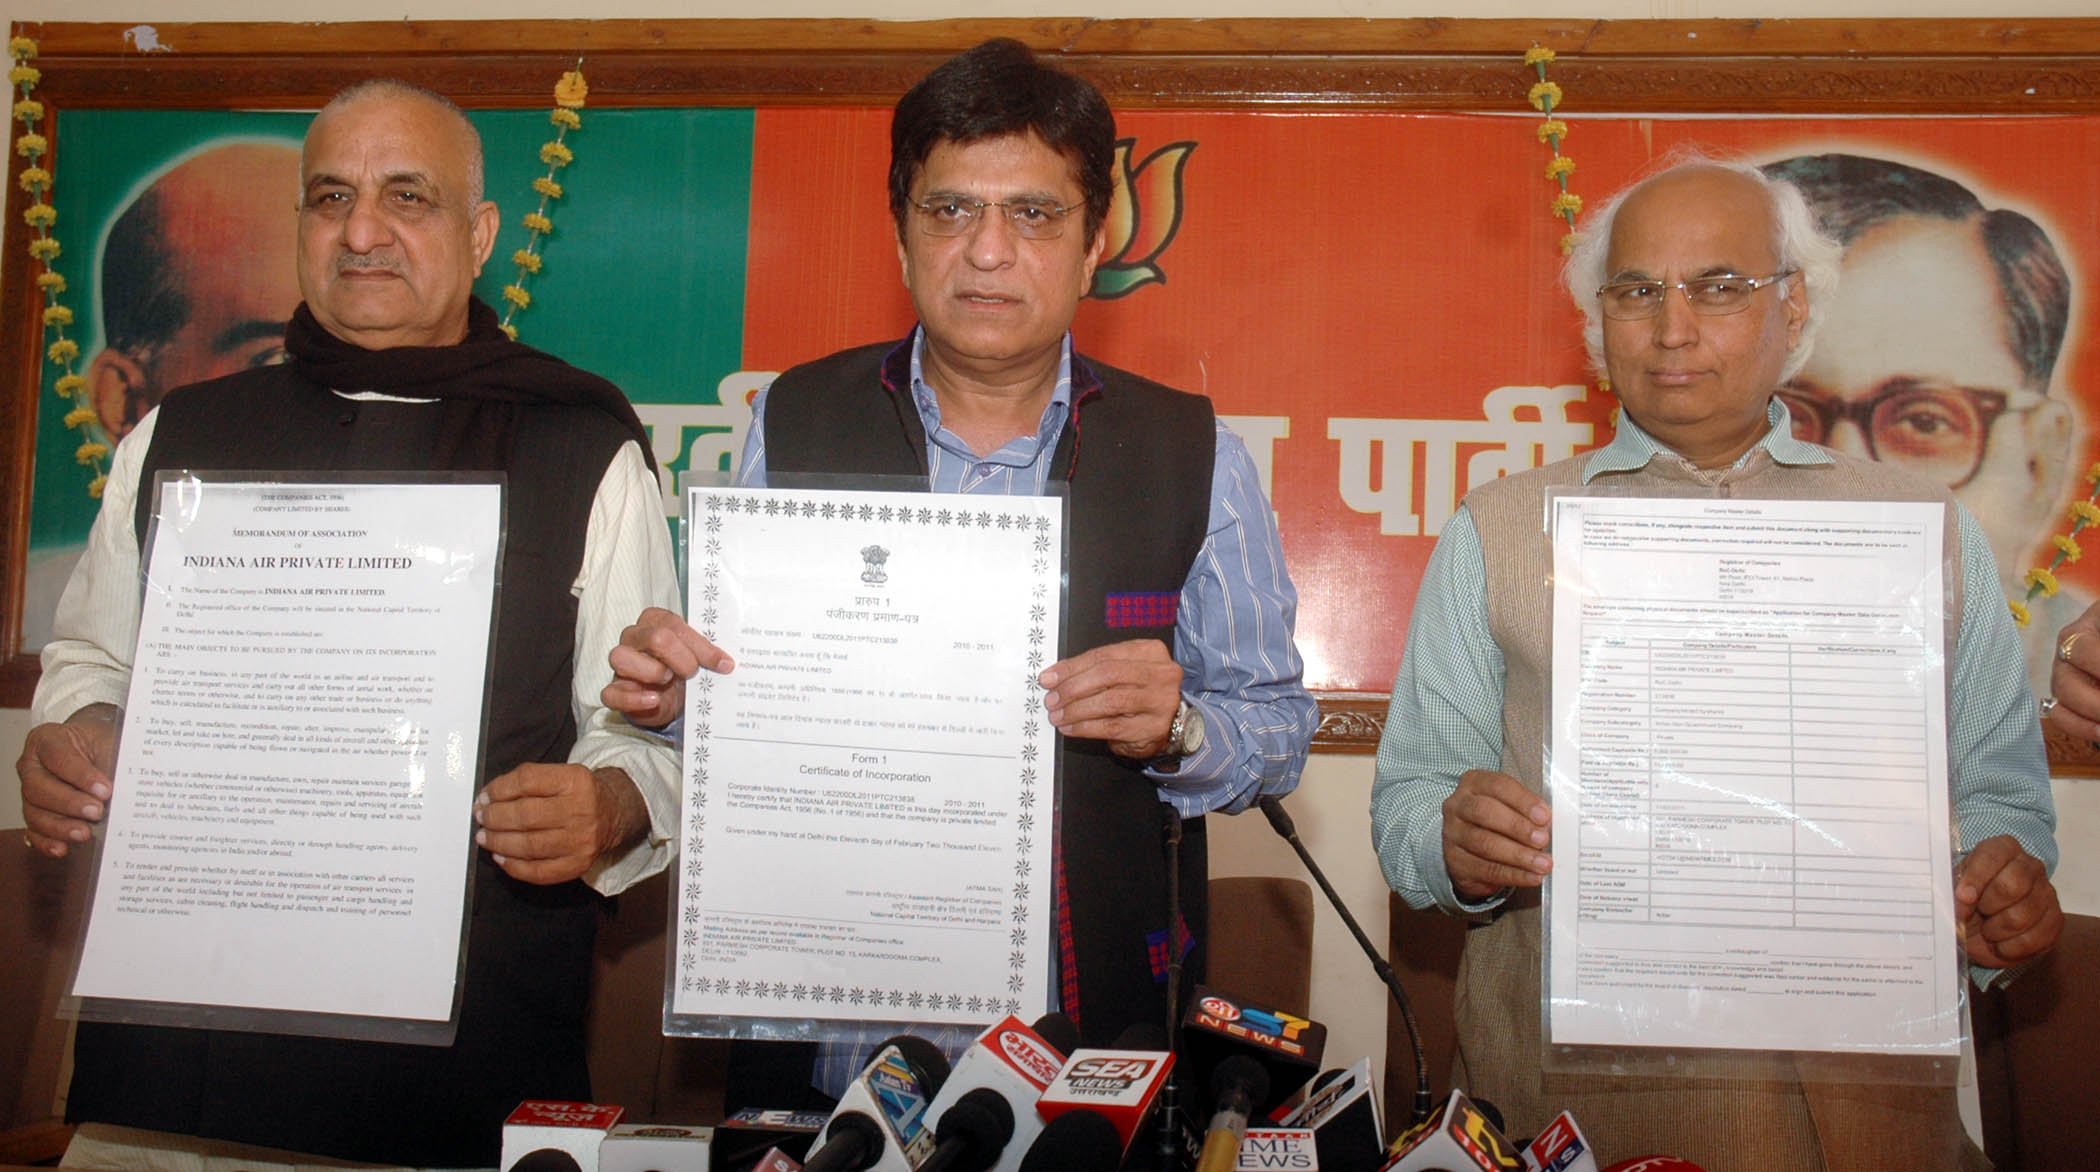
480 381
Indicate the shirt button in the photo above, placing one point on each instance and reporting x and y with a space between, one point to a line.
985 470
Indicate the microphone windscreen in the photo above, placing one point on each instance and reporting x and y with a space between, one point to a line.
1077 1141
1141 1035
1241 1074
983 1120
925 1059
1057 1030
1494 1114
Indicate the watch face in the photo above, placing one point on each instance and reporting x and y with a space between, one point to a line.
1191 729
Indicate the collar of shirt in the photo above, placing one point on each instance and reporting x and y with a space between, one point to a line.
951 463
1631 449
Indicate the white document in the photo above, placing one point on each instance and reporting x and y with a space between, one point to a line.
290 824
1749 777
869 794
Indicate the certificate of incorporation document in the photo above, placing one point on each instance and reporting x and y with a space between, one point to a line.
870 794
1749 778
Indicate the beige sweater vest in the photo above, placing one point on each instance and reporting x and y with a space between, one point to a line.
1749 1113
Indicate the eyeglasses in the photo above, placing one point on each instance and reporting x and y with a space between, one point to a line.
1713 296
955 215
1934 430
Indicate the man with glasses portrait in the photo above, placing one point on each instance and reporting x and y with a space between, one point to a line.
1939 353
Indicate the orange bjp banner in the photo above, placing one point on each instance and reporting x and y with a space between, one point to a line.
1373 302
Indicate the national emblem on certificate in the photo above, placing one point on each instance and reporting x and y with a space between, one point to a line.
870 795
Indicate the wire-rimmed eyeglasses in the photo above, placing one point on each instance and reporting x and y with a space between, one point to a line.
1711 296
955 215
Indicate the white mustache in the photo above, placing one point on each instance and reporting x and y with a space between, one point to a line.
351 260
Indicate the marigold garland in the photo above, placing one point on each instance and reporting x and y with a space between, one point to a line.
1545 97
2041 581
569 95
42 215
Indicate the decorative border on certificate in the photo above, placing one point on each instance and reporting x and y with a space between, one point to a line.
865 626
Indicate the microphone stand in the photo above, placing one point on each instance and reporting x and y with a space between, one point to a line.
1170 1106
1272 809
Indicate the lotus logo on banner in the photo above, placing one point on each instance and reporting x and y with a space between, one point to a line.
1143 216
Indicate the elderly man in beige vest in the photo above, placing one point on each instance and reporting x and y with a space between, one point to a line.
1700 286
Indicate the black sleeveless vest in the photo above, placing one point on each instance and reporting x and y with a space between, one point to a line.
529 948
1136 457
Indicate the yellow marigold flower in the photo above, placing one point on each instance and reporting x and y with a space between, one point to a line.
29 110
1560 168
571 90
62 352
2067 546
1552 128
1567 203
57 315
31 146
536 222
33 178
2041 581
40 215
95 487
547 187
509 331
2019 612
526 259
2092 476
21 48
90 452
1537 55
1544 96
556 155
1567 242
68 385
565 119
80 417
517 296
25 76
51 283
44 248
2085 513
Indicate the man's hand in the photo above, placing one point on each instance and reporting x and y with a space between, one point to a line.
2005 905
651 663
549 823
1123 693
65 771
2075 679
1495 835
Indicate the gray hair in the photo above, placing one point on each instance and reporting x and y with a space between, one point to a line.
389 87
1797 242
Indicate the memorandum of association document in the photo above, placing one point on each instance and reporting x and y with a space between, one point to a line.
290 828
1749 777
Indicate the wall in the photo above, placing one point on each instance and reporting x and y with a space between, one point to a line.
1330 806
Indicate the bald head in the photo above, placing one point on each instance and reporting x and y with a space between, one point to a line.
197 277
466 144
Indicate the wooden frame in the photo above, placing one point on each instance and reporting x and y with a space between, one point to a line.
1892 66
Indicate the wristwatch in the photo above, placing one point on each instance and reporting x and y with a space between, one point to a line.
1184 736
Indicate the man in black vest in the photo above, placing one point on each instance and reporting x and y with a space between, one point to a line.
1000 181
396 367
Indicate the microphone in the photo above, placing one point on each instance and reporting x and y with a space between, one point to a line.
1080 1140
1017 1063
1121 1083
1288 1047
1236 1086
1342 1112
1272 809
880 1122
972 1133
1560 1148
1458 1136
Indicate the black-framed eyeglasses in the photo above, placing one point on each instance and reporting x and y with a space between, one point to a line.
1935 430
1712 296
955 215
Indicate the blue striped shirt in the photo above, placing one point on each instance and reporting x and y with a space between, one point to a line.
1446 711
1232 636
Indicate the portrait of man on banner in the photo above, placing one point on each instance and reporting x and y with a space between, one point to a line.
1941 355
